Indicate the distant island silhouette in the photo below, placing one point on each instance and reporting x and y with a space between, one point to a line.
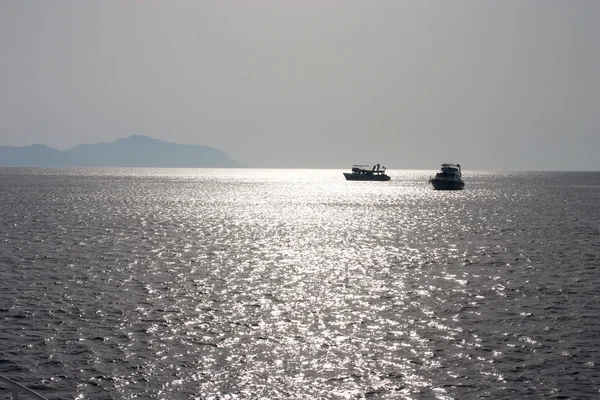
133 151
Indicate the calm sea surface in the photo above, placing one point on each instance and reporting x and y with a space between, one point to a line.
296 284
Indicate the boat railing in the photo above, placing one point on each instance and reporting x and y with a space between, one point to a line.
17 388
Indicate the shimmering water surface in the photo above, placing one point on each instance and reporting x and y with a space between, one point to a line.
247 284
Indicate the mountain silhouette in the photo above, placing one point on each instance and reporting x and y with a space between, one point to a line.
133 151
37 155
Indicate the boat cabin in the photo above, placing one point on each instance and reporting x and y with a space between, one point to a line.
367 169
450 169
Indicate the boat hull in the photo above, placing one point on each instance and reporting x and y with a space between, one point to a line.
366 177
445 184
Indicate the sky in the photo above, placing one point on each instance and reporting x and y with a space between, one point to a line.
500 85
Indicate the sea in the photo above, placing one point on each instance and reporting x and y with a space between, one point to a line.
298 284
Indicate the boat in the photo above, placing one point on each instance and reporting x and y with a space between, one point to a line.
366 173
449 178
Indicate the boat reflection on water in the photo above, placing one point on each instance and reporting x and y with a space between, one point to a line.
366 173
449 178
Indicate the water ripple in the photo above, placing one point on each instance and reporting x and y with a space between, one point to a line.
215 284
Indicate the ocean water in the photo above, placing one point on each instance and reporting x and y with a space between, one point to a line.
296 284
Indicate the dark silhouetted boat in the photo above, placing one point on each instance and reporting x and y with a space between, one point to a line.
366 173
449 178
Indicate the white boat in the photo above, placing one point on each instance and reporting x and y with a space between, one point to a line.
366 173
449 178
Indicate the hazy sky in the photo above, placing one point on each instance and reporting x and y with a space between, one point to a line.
311 83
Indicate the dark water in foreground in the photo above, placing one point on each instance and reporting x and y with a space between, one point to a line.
246 284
